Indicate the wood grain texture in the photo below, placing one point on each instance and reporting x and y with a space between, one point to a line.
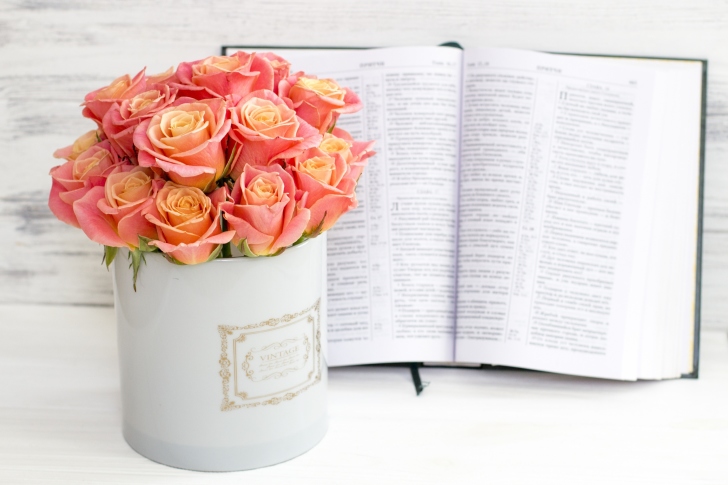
53 53
60 420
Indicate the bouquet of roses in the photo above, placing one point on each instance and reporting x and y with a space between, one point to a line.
228 150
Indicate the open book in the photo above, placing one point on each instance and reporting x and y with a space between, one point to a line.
524 209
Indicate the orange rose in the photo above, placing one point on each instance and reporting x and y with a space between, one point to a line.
267 129
355 153
97 103
121 120
188 222
82 143
186 141
236 75
76 177
319 101
112 215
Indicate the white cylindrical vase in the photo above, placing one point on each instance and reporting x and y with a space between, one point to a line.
222 364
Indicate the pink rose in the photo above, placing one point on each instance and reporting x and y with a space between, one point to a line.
166 77
97 103
281 67
329 193
319 101
82 143
74 178
355 153
266 129
121 119
236 75
112 215
187 222
185 141
263 210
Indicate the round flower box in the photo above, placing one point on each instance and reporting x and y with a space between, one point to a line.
222 364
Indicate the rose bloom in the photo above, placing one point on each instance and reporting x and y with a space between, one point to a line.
236 75
82 143
77 176
355 153
121 119
97 103
112 215
266 129
186 141
281 67
166 77
329 192
319 101
187 222
263 210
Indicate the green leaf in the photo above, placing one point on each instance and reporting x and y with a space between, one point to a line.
330 130
173 260
245 249
229 164
215 254
137 258
300 240
144 245
98 138
109 255
210 185
226 251
276 253
317 230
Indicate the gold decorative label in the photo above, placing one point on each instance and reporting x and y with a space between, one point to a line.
271 361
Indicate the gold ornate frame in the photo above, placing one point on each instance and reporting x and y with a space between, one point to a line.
227 331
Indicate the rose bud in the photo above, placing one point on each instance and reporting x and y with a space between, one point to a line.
112 215
187 222
263 210
329 193
74 178
266 129
82 143
186 141
355 153
121 119
97 103
221 76
319 101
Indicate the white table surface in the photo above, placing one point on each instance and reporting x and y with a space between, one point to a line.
60 420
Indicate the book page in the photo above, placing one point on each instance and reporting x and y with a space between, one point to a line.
553 153
391 261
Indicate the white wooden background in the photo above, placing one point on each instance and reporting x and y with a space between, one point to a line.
53 52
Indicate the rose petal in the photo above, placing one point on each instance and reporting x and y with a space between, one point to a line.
293 231
95 224
134 225
195 253
62 210
328 209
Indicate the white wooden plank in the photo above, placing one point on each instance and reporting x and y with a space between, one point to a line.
52 53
